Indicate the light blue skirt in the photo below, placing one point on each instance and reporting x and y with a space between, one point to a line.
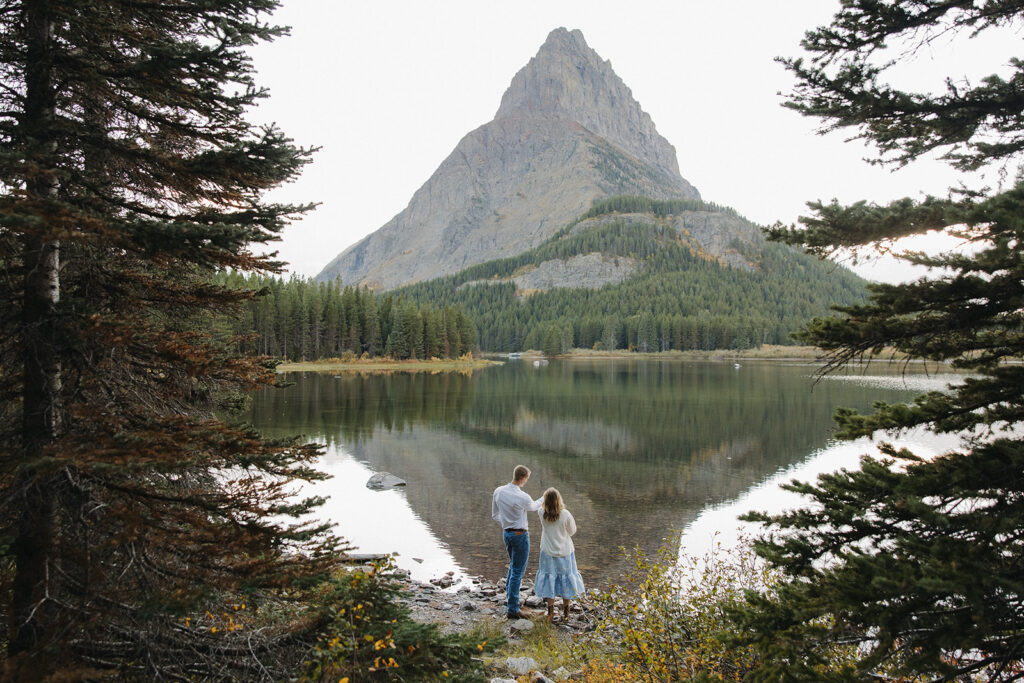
558 577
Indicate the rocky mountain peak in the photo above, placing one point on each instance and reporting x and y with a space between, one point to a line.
568 80
564 78
568 132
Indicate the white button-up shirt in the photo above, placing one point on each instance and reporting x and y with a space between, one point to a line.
510 504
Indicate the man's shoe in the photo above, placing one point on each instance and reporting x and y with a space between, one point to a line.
521 614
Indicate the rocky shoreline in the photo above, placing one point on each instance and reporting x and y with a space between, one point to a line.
459 604
457 607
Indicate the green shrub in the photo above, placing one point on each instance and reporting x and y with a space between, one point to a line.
668 618
368 635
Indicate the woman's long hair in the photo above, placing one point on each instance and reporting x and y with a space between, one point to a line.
552 504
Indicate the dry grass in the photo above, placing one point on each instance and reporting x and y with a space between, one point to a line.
765 352
386 365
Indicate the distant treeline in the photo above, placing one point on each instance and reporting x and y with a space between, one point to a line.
298 319
678 300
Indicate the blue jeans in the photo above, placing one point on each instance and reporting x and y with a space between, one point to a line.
518 548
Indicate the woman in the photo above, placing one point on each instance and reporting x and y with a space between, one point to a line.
557 575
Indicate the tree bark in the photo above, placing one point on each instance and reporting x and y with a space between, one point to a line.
41 393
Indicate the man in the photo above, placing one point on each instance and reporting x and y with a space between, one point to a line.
509 506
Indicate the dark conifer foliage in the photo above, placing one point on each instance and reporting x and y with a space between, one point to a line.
128 176
917 561
843 83
297 319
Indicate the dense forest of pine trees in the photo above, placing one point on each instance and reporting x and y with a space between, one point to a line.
679 300
298 319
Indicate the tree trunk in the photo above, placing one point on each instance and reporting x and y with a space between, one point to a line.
36 528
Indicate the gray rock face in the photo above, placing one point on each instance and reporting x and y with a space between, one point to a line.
384 480
584 271
568 80
568 131
717 234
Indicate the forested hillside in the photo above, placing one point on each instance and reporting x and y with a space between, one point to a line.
680 297
298 319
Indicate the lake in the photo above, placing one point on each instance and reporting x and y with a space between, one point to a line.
638 449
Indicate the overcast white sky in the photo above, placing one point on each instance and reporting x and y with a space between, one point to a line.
388 88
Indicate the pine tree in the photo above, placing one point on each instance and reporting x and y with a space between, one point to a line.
315 324
611 334
431 334
551 341
399 343
466 333
128 176
917 561
371 344
350 330
416 337
452 331
646 333
332 321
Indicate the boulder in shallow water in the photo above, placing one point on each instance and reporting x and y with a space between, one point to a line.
383 481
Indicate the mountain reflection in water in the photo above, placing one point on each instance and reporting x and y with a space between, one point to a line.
637 448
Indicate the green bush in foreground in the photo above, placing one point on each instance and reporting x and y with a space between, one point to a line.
668 619
368 635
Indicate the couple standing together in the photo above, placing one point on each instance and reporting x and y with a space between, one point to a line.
557 575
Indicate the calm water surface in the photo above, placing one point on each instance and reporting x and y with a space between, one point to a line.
637 448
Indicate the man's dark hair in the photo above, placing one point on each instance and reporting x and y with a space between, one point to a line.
520 472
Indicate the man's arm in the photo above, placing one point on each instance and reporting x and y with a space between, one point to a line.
494 507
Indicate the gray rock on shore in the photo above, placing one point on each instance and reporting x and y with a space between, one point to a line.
521 625
521 665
